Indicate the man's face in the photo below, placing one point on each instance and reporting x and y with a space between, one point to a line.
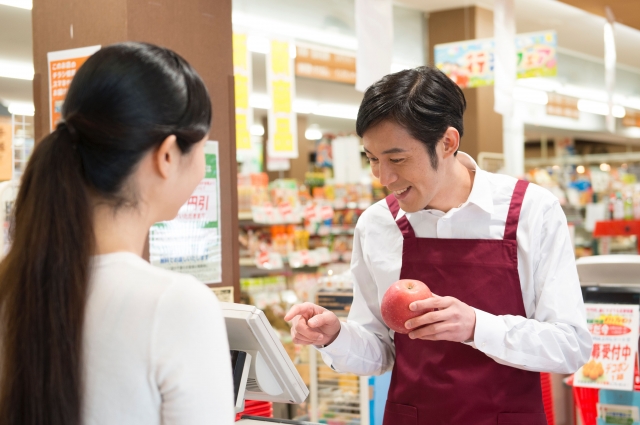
402 164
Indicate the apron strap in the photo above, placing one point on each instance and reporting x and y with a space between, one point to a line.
403 222
511 228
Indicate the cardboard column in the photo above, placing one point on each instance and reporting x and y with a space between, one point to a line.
482 126
198 30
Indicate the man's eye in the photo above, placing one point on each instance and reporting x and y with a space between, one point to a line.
372 159
396 161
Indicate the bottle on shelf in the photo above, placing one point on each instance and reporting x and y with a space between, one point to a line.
628 206
618 208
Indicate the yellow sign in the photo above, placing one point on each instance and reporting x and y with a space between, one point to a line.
242 86
283 140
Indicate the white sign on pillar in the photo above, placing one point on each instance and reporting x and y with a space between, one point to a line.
374 31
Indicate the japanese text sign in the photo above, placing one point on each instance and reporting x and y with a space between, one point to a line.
470 63
63 66
614 329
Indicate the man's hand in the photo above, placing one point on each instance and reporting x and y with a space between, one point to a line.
452 320
312 324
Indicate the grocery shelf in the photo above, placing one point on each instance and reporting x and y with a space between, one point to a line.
583 159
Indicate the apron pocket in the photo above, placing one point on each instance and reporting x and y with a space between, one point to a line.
522 419
400 414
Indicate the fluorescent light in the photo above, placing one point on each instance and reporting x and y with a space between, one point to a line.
583 93
538 97
256 130
539 83
22 4
397 67
313 134
281 28
600 108
304 106
20 108
337 111
17 70
618 111
259 101
258 44
631 102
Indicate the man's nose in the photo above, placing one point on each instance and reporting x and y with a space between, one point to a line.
387 175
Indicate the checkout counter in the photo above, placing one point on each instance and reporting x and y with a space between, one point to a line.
610 279
262 369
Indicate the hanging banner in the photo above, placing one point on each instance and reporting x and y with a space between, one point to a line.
374 31
190 243
63 65
471 63
283 133
243 87
614 328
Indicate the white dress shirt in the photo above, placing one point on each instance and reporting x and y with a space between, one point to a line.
552 338
155 348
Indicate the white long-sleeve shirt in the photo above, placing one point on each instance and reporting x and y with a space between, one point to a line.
552 338
155 348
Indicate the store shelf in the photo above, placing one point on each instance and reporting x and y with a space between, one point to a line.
583 159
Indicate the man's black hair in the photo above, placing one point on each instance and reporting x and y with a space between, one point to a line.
423 100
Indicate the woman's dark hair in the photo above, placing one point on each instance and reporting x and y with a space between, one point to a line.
422 100
123 102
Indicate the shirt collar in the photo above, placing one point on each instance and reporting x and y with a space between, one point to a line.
481 191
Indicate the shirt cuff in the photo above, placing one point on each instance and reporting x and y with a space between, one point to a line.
341 345
489 331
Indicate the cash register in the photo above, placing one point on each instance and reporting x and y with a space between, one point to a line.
262 369
610 279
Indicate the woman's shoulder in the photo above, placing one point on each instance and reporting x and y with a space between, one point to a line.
137 276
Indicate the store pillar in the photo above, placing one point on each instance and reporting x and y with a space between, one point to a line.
200 31
482 126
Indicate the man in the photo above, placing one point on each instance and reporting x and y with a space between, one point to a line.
494 249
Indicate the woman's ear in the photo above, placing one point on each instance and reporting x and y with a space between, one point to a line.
451 141
166 156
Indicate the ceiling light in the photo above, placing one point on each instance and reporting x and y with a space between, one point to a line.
600 108
583 93
258 44
259 101
631 102
21 108
22 4
282 29
337 111
539 83
605 167
580 169
538 97
256 130
313 134
301 106
17 70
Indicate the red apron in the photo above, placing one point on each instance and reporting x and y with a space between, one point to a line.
450 383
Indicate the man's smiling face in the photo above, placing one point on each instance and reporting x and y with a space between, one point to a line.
402 164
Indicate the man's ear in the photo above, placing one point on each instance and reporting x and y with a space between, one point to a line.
165 156
451 142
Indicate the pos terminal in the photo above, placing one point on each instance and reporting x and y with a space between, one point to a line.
262 369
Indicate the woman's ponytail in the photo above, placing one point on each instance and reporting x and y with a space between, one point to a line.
43 288
123 102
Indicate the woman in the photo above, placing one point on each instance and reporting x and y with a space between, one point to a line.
91 333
